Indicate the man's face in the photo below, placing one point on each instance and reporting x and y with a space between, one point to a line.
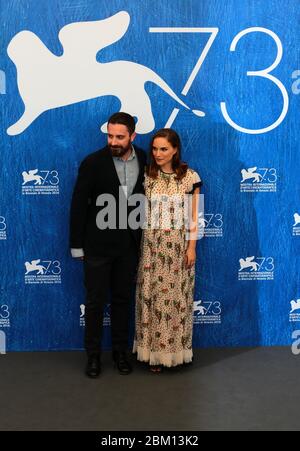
119 139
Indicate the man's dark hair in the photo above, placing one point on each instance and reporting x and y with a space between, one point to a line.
124 119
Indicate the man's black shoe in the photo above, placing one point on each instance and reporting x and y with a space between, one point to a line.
93 367
122 363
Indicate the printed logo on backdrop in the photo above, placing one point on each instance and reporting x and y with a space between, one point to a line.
106 315
258 180
79 76
4 316
295 311
210 225
47 81
2 228
207 312
42 271
296 225
256 268
40 182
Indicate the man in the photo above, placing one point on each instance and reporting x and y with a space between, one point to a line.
110 254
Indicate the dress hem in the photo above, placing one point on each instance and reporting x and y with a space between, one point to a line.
162 358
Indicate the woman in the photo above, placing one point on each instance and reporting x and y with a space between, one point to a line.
165 285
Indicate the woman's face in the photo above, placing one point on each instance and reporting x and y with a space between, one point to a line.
163 151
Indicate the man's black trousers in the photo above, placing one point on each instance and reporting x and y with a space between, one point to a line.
109 278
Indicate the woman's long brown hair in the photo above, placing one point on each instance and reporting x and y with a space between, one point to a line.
178 166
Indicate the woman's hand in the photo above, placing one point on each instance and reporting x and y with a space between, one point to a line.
190 257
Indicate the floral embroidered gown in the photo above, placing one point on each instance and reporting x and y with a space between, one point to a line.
165 288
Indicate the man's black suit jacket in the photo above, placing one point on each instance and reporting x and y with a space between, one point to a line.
97 175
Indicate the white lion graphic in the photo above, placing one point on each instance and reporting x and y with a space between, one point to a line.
82 310
250 174
47 81
34 266
31 176
297 219
199 309
248 263
295 305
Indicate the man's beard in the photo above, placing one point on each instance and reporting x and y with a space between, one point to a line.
118 151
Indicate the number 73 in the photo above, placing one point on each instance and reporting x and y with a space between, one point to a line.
264 73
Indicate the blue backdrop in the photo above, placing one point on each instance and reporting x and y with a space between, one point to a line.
236 61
